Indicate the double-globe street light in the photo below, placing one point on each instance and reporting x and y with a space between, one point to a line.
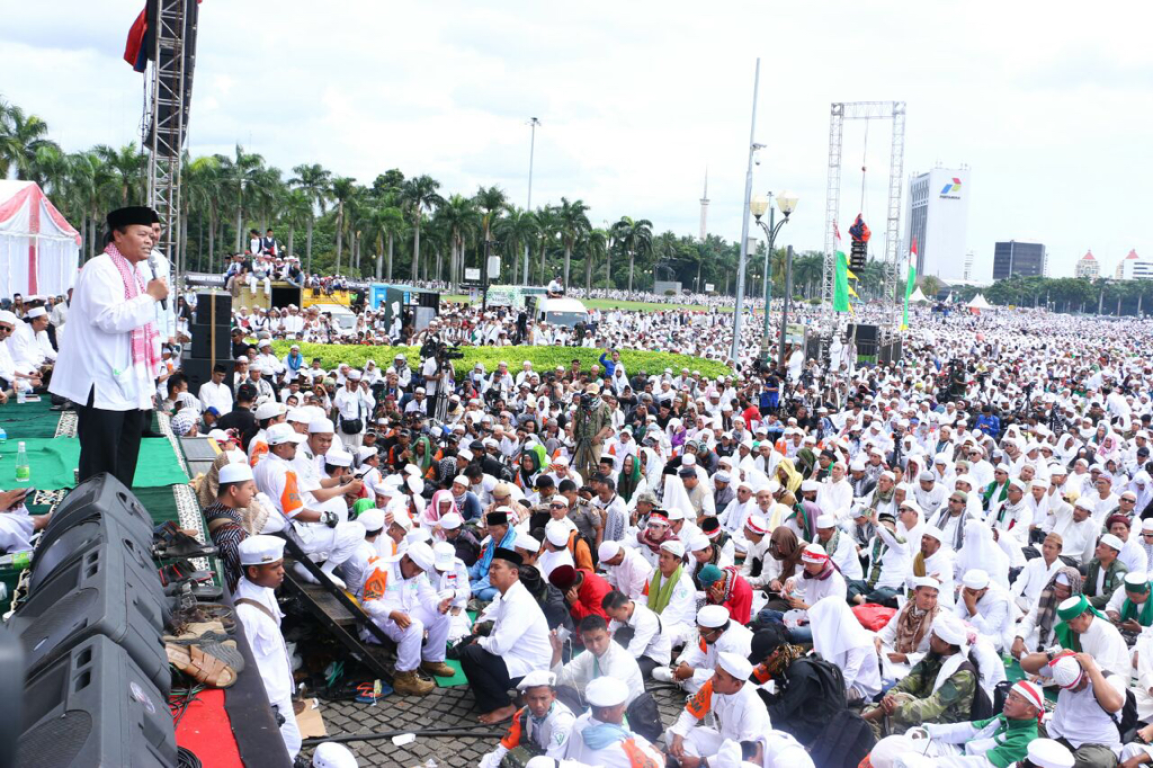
787 202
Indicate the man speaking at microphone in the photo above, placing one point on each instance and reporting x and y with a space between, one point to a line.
110 357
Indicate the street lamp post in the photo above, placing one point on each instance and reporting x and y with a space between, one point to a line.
788 298
534 122
787 201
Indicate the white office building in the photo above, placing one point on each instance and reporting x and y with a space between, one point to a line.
937 220
1133 267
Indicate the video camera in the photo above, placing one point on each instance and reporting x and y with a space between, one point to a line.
440 350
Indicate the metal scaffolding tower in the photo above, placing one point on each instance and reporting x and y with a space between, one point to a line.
863 110
173 62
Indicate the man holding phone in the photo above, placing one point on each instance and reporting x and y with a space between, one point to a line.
17 524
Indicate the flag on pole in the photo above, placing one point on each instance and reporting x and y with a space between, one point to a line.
841 284
911 284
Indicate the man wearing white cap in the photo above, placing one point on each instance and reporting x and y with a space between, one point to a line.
316 533
267 414
839 546
904 641
354 406
262 559
600 737
451 581
29 342
543 723
625 568
934 559
939 689
1105 572
556 553
718 633
357 568
986 606
1088 708
739 713
1083 628
672 596
402 602
998 741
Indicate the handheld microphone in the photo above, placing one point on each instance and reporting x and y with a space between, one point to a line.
152 266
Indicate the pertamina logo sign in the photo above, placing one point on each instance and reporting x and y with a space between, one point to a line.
952 190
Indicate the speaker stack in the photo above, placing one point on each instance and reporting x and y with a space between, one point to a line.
211 342
97 678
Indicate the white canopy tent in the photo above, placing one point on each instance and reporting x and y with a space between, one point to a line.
917 297
39 249
979 303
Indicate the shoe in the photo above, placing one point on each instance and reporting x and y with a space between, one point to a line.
339 582
409 684
437 668
302 573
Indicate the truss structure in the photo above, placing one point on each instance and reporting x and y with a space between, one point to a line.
170 86
839 112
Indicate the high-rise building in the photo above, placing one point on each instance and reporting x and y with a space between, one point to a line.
1133 267
1088 267
936 219
1020 258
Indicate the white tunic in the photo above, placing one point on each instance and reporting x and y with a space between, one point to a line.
616 662
520 634
96 353
631 575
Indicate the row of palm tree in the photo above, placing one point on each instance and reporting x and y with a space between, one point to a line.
398 223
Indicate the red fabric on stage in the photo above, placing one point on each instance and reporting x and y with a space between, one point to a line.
207 730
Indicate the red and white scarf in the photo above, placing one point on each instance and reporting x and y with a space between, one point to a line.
145 339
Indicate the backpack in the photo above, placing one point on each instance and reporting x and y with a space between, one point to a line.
846 741
982 706
644 717
1126 719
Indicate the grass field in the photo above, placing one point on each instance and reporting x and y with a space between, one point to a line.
615 304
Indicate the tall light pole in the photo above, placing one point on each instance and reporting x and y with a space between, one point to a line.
753 147
788 298
787 201
534 122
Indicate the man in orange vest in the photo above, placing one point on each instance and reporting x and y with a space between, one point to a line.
600 737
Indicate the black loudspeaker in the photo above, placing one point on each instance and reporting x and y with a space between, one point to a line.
213 308
865 333
202 341
199 371
94 707
102 589
79 520
858 255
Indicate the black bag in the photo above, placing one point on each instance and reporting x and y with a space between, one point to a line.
352 426
982 706
844 743
644 717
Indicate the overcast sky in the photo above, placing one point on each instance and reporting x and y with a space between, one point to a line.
1049 104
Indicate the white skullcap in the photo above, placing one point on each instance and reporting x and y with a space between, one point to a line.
525 542
371 519
235 473
826 521
401 519
365 452
279 434
1136 579
269 410
444 554
674 548
608 550
1047 753
333 755
1084 503
451 521
421 555
338 458
1112 541
607 692
535 679
36 312
418 534
713 616
461 480
975 578
1031 692
699 542
689 460
1066 670
321 427
934 531
557 533
299 415
814 553
950 629
261 549
8 317
735 664
926 581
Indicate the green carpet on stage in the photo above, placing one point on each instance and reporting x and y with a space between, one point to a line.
54 460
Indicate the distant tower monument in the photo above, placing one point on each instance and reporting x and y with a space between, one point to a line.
705 207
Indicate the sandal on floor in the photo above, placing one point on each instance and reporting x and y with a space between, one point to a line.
211 641
170 541
201 665
206 612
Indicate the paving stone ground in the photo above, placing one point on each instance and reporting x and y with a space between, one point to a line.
445 707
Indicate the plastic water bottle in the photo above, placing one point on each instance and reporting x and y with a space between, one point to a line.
20 395
16 560
3 434
23 469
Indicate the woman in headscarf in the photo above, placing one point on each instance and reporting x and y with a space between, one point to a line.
788 476
784 562
527 470
423 456
1067 449
1037 630
677 435
983 553
630 481
655 533
652 466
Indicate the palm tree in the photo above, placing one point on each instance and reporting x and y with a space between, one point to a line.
89 184
594 243
239 174
295 211
202 185
635 237
491 202
343 189
22 136
516 229
574 222
315 182
126 169
385 223
460 217
419 194
547 227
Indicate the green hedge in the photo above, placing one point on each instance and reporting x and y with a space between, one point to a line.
543 358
